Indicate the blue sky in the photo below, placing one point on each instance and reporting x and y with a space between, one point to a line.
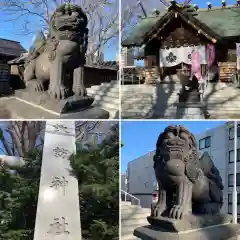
11 30
139 137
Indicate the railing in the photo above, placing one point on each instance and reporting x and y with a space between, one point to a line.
130 195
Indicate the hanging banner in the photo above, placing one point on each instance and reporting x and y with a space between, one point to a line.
174 56
210 54
196 64
238 55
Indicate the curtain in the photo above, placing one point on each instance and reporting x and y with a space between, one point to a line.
174 56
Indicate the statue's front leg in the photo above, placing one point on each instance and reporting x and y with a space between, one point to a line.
57 89
184 200
161 206
78 82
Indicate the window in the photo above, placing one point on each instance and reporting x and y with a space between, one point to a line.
204 143
230 203
230 180
231 156
231 132
230 198
230 209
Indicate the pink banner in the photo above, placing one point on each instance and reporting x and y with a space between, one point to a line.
196 64
238 55
210 54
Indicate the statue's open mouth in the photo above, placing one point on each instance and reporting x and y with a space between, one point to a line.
66 28
171 153
67 24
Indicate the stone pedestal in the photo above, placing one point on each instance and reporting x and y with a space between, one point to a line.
74 107
218 232
58 214
188 96
59 106
206 227
190 110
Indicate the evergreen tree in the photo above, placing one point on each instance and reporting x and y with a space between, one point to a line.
97 170
18 199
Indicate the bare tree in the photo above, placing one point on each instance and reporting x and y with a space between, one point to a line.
93 132
19 137
132 12
35 15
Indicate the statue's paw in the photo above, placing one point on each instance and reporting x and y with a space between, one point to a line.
158 209
59 92
80 92
35 85
176 212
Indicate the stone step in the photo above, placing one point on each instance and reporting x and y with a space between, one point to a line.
128 230
133 216
106 99
102 93
137 210
128 237
111 108
133 223
105 85
111 82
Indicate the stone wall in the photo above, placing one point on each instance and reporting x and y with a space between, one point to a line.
4 78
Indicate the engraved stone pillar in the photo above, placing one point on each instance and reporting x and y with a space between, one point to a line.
58 213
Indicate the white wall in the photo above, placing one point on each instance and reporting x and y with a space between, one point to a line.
141 176
218 151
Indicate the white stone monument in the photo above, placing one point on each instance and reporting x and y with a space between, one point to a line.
58 212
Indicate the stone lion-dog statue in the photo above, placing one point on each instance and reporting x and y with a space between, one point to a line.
187 184
60 59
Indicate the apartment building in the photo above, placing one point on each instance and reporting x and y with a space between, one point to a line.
127 57
218 142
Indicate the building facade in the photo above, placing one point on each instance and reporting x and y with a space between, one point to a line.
127 57
169 36
218 142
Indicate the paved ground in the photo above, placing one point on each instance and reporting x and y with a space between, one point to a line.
148 101
15 109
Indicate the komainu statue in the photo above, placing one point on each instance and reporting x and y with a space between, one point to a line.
187 184
57 62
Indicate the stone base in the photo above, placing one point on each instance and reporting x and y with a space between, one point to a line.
191 110
24 106
43 100
217 232
189 222
189 96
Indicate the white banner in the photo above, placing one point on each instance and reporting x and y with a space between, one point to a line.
174 56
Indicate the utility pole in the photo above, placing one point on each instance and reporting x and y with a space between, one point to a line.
235 176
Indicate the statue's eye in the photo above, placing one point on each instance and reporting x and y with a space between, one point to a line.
170 135
184 136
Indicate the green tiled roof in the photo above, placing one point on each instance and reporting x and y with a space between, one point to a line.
223 21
